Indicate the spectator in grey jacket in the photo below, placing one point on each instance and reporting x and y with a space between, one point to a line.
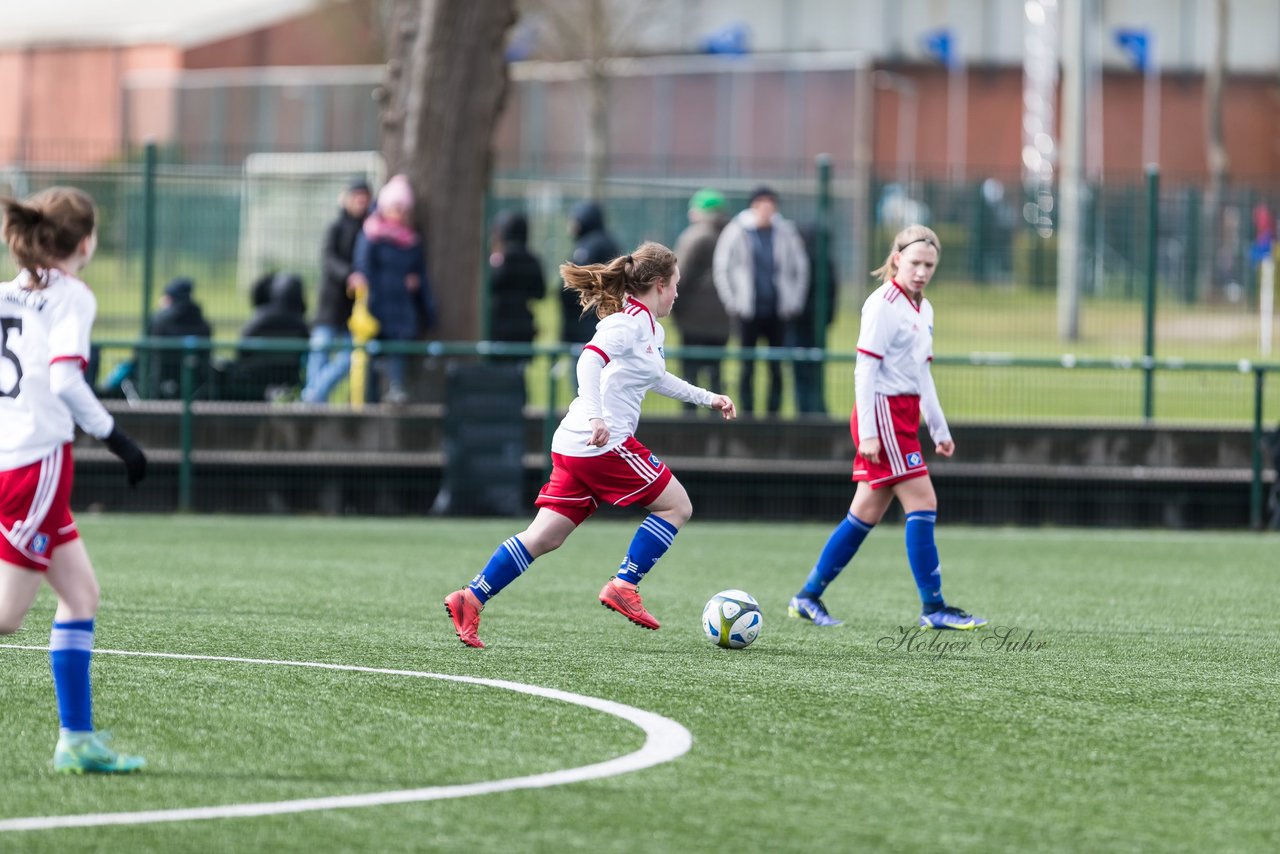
699 313
762 275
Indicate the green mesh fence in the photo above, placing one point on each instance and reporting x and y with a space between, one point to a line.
1056 429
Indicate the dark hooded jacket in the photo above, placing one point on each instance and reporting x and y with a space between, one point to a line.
593 245
516 278
337 261
283 314
805 324
181 318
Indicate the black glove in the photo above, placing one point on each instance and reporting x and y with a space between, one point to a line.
135 462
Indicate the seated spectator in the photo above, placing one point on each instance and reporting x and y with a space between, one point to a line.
180 316
270 374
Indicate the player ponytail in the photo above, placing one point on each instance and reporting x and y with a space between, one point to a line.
47 228
604 287
909 235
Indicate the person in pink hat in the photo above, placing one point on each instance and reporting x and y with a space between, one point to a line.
391 256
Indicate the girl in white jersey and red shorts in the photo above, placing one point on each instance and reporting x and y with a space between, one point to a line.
46 314
595 454
893 386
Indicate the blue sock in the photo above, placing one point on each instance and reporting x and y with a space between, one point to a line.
654 536
70 649
922 554
509 561
841 546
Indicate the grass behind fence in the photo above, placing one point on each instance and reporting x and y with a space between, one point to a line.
1017 321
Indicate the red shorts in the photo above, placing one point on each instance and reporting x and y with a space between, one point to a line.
898 422
628 474
35 510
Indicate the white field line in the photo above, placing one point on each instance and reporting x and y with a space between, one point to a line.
665 740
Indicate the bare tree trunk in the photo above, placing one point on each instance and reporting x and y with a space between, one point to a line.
446 80
400 36
1216 151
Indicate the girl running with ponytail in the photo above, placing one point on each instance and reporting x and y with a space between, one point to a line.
595 454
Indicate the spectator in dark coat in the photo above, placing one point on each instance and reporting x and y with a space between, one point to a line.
390 255
515 278
698 312
809 375
259 374
339 281
593 244
179 316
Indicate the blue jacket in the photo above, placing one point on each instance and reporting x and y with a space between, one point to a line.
401 315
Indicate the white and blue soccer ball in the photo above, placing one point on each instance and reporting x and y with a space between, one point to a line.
732 619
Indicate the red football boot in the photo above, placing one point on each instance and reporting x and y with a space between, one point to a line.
626 601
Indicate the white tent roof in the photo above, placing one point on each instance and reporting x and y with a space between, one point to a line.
125 22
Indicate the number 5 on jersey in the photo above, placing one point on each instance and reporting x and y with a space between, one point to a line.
7 323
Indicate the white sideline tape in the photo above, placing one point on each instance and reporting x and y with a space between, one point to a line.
665 740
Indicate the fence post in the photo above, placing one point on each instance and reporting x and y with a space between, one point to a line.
1149 311
1255 487
148 260
1191 261
184 426
821 281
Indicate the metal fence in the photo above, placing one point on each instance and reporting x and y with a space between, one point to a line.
995 290
1001 368
1059 438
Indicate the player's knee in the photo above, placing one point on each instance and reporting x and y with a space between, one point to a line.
10 623
82 604
680 514
542 543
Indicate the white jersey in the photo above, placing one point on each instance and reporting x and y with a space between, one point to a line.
898 333
895 347
40 327
623 360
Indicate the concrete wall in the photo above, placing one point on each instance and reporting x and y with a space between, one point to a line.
264 458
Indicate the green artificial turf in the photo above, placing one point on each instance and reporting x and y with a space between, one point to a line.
1132 708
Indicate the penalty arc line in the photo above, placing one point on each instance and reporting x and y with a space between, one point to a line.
665 740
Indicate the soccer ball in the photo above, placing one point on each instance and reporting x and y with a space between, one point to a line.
732 619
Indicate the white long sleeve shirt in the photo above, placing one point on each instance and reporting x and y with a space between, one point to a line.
895 347
622 362
44 347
